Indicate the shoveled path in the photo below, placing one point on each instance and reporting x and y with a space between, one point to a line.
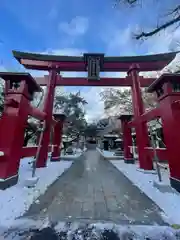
93 189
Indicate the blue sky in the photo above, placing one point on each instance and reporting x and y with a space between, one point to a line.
72 27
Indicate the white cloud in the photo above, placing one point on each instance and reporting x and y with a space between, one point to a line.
95 107
113 74
67 52
76 27
53 13
163 42
2 69
119 42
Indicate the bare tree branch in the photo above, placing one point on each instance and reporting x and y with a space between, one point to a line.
173 18
158 29
129 2
175 10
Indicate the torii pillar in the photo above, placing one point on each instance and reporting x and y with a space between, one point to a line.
127 138
57 136
145 161
48 109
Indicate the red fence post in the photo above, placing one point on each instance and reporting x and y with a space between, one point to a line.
48 109
57 136
56 142
127 138
13 123
142 138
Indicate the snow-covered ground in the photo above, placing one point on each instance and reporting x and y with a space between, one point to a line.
69 156
77 152
108 154
15 200
98 231
169 202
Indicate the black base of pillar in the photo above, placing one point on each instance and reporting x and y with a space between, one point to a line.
8 182
129 161
175 183
55 159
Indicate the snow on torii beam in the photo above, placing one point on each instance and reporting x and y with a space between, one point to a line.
110 64
109 82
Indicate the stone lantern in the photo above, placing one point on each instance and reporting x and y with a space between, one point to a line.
19 91
167 85
119 151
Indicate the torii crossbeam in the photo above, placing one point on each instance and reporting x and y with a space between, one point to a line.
106 82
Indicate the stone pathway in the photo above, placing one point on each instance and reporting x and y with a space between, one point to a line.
93 189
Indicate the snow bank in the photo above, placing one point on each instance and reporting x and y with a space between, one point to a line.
73 156
98 231
168 202
77 152
109 155
105 153
15 200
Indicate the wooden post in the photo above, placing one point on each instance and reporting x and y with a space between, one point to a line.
145 162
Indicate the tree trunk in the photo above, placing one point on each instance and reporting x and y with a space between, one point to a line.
26 140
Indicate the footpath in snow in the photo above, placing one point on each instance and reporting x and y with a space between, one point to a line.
169 202
16 200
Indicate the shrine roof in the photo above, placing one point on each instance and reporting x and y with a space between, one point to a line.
19 76
158 61
166 77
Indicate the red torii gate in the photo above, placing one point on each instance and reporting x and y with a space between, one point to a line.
93 63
